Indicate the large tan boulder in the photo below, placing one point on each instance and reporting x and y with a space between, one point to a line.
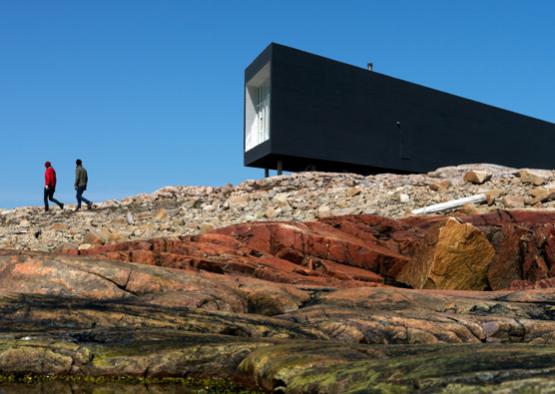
452 256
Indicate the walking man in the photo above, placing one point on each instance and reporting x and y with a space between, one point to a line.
50 186
81 180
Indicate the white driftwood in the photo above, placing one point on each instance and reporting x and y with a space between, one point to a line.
478 198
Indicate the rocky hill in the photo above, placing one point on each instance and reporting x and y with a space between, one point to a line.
308 283
180 210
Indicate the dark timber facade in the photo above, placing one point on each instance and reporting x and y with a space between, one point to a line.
305 112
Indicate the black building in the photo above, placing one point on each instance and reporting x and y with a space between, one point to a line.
303 111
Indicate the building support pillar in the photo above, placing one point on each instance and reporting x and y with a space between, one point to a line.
266 172
280 167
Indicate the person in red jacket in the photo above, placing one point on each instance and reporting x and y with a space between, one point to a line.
50 186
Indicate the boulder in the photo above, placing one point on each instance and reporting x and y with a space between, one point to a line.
531 178
353 191
161 214
324 211
513 201
440 185
93 238
271 212
453 256
493 195
477 177
540 195
85 246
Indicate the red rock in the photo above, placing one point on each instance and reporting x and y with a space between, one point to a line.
317 239
527 285
44 274
346 251
506 265
282 251
221 253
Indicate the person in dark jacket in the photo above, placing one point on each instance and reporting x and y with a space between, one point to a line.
81 180
50 186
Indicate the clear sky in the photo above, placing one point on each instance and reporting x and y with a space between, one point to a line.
149 93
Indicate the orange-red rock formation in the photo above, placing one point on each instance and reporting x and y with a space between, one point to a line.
487 251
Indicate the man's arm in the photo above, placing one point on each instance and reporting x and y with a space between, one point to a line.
77 175
47 178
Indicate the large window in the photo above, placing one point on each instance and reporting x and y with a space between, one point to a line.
257 109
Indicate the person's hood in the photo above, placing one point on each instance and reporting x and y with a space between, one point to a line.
47 164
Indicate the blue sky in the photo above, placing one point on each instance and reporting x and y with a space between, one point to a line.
149 93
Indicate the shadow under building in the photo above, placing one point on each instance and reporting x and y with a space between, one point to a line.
306 112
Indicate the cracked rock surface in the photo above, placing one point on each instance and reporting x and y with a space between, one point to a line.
85 316
265 285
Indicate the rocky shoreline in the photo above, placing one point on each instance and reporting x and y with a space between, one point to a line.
93 318
311 283
187 210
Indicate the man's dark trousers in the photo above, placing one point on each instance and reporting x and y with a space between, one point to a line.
80 191
49 195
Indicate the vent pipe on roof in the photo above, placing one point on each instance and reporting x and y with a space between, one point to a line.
370 66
